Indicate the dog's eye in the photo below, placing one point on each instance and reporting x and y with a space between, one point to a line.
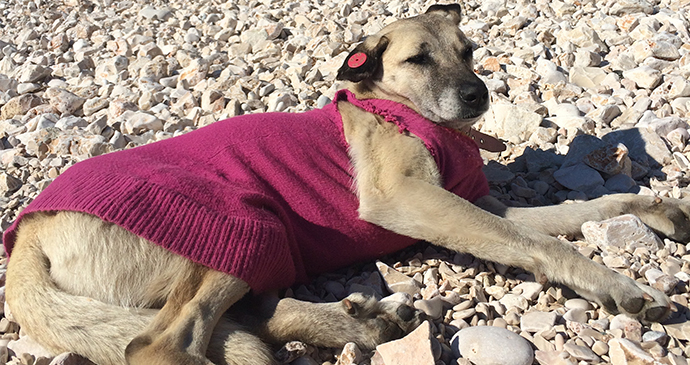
419 59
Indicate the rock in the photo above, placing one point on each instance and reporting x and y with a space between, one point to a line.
69 358
514 301
529 290
537 321
9 184
396 281
610 160
549 72
579 177
139 122
19 105
578 303
64 101
26 345
632 329
582 36
656 336
512 121
626 352
587 77
581 353
432 307
626 231
576 315
491 346
351 355
113 70
152 13
413 349
644 146
620 183
644 48
553 358
195 72
70 122
93 105
630 7
644 77
33 73
661 281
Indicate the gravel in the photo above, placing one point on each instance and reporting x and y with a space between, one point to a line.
592 98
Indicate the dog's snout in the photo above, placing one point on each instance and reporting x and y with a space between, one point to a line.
475 95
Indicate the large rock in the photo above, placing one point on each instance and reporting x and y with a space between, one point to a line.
489 345
19 105
610 160
512 122
587 77
645 146
537 321
579 177
413 349
64 101
626 231
625 352
631 6
644 76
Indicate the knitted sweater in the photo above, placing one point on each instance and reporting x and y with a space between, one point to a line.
267 197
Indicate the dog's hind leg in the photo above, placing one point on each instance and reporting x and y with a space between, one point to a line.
357 318
78 284
61 321
181 331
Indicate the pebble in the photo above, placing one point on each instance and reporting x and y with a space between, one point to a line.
432 307
578 303
396 281
576 315
491 346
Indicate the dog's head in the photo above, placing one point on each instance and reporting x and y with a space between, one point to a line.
424 62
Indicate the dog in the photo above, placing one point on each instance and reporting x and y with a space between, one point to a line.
80 280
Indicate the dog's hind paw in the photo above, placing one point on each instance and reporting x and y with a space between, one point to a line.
379 321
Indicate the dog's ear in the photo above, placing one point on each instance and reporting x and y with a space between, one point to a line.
451 11
364 61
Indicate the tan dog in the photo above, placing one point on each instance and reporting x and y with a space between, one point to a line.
76 283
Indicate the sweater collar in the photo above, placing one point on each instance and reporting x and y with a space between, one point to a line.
406 118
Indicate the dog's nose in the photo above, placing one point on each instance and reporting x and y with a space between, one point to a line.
475 95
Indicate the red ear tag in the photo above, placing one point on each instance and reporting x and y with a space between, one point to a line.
357 60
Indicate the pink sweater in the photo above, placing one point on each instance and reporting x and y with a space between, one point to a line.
265 197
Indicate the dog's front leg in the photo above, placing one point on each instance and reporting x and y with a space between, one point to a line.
399 188
668 217
418 209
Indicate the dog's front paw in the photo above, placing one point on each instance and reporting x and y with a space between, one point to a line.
378 322
667 216
624 295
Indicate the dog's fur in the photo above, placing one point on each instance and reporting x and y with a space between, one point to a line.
76 283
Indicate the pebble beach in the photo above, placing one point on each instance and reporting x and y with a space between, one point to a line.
591 97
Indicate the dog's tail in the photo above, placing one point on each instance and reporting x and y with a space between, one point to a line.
60 321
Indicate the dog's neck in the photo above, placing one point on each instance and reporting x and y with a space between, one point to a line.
366 90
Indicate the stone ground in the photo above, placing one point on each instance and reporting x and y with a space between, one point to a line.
592 96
